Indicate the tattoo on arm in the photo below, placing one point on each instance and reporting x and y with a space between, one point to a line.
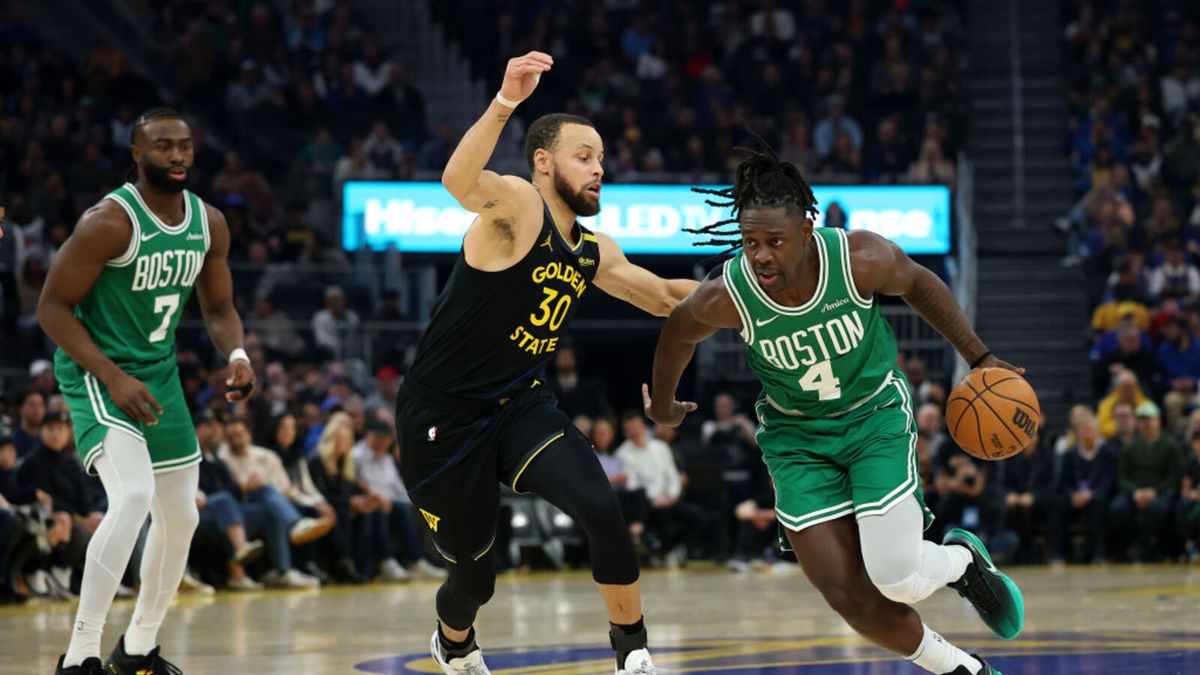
502 117
491 203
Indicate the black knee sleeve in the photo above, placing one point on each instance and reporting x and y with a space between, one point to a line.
613 559
468 587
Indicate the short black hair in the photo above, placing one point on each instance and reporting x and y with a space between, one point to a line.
151 115
633 414
544 131
25 394
761 181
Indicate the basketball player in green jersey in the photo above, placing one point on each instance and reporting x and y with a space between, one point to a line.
112 302
835 416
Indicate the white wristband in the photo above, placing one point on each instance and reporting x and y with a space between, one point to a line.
239 354
507 103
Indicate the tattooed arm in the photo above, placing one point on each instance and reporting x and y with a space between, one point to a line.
495 197
879 266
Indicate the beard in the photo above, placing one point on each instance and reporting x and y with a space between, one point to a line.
160 178
580 201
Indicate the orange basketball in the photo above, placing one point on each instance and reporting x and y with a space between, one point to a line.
993 413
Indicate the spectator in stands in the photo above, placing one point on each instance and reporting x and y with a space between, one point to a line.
1086 481
402 105
730 436
603 435
757 524
887 158
374 456
436 151
1126 427
41 377
283 439
1026 482
31 411
55 470
336 327
964 497
384 154
835 123
576 395
1175 277
650 466
931 165
278 332
335 476
1187 515
1125 390
256 470
933 426
222 513
1178 360
1149 471
1131 355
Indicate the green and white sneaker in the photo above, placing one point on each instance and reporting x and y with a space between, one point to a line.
993 595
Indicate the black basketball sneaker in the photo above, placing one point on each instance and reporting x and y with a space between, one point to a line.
120 663
90 666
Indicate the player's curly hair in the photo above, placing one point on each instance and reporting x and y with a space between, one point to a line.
761 181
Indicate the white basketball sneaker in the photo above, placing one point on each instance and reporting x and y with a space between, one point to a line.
638 662
471 664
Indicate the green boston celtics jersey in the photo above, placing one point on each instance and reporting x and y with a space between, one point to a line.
824 357
134 307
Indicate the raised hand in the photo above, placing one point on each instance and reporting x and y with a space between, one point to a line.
522 75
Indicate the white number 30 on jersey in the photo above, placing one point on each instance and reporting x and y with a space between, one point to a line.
820 379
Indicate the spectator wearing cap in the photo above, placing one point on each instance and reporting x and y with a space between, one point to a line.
41 377
1148 476
1178 359
336 327
31 411
55 470
375 460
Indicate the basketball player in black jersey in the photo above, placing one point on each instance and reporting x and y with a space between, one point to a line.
473 412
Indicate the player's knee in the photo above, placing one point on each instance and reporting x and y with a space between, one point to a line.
599 510
187 516
472 587
907 591
847 600
133 499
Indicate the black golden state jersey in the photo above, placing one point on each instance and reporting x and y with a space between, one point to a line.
493 331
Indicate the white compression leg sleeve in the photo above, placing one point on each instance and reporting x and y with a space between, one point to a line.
124 468
902 565
173 519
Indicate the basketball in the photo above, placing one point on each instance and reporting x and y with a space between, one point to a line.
993 413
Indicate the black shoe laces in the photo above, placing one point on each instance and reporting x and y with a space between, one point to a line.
977 591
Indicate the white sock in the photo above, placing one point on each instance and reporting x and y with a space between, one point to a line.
124 468
945 563
85 639
938 656
173 519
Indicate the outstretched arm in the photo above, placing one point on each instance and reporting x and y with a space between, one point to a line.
102 234
880 266
215 289
707 310
488 193
636 285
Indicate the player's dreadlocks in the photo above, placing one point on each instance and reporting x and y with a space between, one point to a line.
762 181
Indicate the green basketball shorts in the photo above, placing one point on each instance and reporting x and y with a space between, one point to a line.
863 462
171 443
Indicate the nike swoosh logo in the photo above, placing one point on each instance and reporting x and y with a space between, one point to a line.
148 237
760 324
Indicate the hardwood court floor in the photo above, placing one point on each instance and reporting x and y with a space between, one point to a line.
1142 620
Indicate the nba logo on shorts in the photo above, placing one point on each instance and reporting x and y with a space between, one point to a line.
431 434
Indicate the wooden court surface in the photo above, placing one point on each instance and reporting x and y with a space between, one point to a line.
1118 619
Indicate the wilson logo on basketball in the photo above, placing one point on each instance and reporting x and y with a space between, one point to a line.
1024 422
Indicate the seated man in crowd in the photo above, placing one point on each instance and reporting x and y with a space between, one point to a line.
1188 513
256 470
1026 482
223 514
1148 475
375 461
650 467
1087 479
964 497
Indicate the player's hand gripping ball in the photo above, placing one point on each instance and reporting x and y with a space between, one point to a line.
993 413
